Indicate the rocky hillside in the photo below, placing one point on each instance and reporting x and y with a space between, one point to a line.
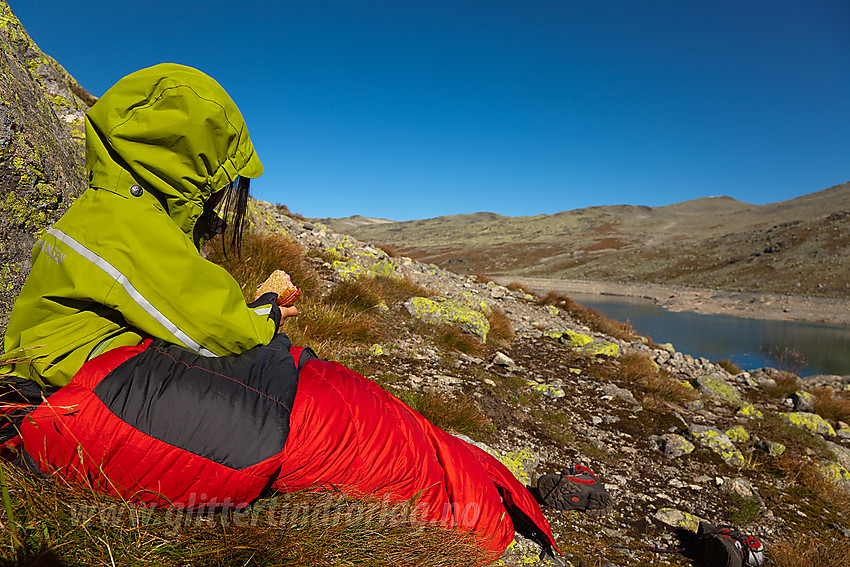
800 246
675 439
42 137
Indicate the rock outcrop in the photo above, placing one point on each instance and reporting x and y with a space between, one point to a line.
42 139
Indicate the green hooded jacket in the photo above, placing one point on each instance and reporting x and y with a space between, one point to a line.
123 263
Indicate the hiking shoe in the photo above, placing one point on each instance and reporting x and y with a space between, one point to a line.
576 489
724 547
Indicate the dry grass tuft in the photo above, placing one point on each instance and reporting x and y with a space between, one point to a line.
636 367
806 472
501 333
284 210
389 250
832 405
810 551
786 384
459 414
451 338
66 525
590 317
516 286
327 327
729 366
261 255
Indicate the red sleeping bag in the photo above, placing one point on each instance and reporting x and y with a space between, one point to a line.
159 425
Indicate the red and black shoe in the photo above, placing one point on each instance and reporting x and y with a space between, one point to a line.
576 489
725 547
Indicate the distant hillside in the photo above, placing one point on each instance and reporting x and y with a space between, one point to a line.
799 246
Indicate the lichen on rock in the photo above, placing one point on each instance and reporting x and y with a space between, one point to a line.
738 434
836 473
677 519
554 390
772 448
716 387
811 422
748 410
712 438
443 311
41 160
586 344
673 446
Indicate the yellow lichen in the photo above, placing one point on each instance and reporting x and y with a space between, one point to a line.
749 410
809 421
443 311
738 434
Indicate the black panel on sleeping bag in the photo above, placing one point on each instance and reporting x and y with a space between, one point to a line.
233 410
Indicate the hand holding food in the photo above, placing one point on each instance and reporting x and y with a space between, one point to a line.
279 282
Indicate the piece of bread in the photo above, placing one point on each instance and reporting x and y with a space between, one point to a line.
279 282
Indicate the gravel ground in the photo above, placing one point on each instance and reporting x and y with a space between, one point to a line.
755 305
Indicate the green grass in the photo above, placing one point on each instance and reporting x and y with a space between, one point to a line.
744 510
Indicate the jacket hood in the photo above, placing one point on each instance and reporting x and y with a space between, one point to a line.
175 132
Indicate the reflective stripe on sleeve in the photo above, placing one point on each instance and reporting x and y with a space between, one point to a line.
131 291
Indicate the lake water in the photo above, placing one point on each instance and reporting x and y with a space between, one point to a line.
746 342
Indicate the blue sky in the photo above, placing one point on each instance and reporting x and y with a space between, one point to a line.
408 109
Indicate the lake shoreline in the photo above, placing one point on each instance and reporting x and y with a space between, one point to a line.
753 305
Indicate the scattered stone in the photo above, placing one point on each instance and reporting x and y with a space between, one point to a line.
843 430
501 359
616 392
803 401
749 411
716 387
677 519
714 439
440 310
740 486
772 448
809 421
738 434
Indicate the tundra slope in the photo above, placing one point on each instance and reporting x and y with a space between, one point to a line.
675 439
800 246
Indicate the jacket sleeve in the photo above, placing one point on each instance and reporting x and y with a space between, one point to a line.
159 282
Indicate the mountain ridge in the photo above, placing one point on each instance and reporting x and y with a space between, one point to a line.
797 246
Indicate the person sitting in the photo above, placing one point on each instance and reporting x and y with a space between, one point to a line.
159 384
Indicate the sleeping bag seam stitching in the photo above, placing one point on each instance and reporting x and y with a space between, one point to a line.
232 379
